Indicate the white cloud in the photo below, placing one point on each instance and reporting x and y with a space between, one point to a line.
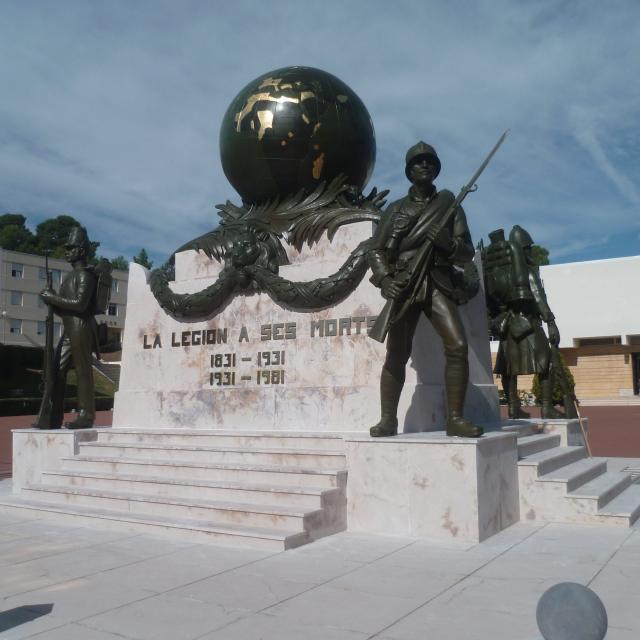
110 111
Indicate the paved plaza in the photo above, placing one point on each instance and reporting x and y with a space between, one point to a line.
65 582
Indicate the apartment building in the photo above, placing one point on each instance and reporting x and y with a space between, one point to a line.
22 312
597 308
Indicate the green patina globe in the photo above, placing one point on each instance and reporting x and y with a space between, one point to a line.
293 128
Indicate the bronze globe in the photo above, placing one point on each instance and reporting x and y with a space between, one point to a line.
291 129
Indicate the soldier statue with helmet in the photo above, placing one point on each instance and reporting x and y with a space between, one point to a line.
517 305
423 218
83 293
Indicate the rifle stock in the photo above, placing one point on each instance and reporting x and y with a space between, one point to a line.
381 325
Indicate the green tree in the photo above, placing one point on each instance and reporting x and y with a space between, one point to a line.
52 235
540 255
143 259
558 390
14 234
120 262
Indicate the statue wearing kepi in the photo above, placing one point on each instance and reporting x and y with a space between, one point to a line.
422 238
76 304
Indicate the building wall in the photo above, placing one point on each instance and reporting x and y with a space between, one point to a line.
25 288
599 372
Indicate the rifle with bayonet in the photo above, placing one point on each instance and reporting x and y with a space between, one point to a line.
395 308
45 415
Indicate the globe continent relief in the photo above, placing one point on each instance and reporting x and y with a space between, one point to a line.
291 129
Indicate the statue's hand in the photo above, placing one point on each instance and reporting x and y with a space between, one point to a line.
47 295
441 240
554 334
391 289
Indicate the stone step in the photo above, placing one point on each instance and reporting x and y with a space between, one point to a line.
166 486
276 475
304 458
528 445
545 462
189 530
577 473
252 515
623 510
524 427
598 492
225 438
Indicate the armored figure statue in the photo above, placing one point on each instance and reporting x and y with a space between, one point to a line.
517 306
76 304
423 219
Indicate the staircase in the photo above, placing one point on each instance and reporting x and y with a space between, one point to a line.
110 370
275 490
561 484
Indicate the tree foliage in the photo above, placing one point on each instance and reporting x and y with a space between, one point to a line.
120 262
557 393
143 259
540 255
52 234
14 234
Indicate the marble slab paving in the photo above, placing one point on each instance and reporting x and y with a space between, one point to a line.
345 587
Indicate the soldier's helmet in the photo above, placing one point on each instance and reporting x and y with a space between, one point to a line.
520 236
418 151
78 238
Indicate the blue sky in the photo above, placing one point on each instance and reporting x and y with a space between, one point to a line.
109 111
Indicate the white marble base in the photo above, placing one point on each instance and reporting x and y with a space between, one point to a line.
330 408
330 376
38 450
432 485
569 431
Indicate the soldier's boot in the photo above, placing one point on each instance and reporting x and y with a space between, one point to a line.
390 390
548 411
83 421
516 411
456 377
510 386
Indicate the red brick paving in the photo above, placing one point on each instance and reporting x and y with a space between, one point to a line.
614 431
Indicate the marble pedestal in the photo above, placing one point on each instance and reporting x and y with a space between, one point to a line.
38 450
432 485
258 365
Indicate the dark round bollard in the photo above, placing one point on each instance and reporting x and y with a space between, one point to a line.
570 611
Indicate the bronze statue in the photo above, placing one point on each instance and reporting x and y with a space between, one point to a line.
80 297
420 240
298 146
250 243
517 306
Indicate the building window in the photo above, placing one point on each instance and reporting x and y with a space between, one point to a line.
57 329
42 327
633 340
596 342
114 286
41 304
56 275
17 270
15 326
112 310
16 298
